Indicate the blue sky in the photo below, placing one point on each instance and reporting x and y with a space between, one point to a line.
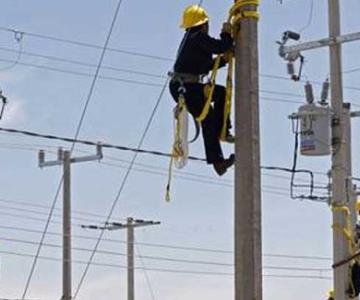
201 211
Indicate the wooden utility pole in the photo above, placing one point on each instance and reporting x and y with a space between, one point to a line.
248 258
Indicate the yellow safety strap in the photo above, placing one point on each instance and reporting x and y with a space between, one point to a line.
347 231
177 150
209 91
228 96
234 17
348 234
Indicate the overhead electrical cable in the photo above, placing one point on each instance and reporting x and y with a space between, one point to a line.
133 53
77 73
166 259
77 132
83 44
174 247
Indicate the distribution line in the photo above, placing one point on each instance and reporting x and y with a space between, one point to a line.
19 52
265 188
26 210
58 70
122 186
175 247
154 84
161 258
127 174
117 69
146 83
271 76
26 204
89 45
82 63
185 174
82 117
147 278
37 147
42 220
311 15
136 150
174 271
279 268
83 44
112 146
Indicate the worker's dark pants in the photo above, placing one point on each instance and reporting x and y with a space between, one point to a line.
211 126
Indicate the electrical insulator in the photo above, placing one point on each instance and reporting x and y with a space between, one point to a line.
60 154
99 150
41 157
325 91
291 68
309 93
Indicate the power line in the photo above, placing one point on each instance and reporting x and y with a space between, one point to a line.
84 44
121 187
6 207
106 145
179 174
174 271
133 53
166 259
21 203
37 147
27 217
19 39
146 83
153 84
77 132
58 70
175 247
311 14
84 64
166 270
271 76
111 146
147 277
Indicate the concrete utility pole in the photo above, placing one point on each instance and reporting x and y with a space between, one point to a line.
64 158
248 258
342 187
341 160
130 225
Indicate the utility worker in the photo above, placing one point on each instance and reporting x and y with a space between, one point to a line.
194 61
331 295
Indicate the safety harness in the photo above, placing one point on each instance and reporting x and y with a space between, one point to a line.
236 14
353 289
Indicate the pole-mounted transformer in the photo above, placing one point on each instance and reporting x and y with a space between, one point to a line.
315 123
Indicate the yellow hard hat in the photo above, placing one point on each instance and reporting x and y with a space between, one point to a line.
331 294
193 16
358 205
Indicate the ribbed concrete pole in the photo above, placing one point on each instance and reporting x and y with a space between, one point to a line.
66 228
248 263
130 258
341 158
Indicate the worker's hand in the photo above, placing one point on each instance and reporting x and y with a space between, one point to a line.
227 55
226 27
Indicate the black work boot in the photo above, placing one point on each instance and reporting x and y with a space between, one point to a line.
222 166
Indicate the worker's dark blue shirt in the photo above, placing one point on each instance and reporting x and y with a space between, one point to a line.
197 49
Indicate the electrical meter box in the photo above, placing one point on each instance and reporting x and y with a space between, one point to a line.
315 129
